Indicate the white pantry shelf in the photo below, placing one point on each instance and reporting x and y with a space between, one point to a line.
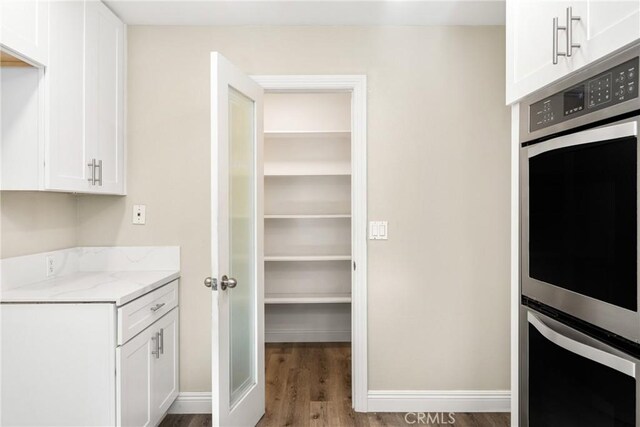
293 258
307 134
307 216
306 169
300 298
307 194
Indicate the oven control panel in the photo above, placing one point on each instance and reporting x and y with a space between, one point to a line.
612 87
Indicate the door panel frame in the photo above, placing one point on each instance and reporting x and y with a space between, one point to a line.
224 75
357 86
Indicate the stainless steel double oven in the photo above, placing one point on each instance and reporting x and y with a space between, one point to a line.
579 182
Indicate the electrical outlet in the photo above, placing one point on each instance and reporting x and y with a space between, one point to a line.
139 215
50 265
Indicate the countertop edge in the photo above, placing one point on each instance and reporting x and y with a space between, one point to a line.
146 289
118 301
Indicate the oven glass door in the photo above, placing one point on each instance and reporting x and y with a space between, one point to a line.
572 383
582 212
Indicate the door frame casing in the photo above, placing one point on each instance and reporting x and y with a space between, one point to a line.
357 86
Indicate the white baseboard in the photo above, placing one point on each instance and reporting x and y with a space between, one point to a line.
192 402
306 336
387 401
439 401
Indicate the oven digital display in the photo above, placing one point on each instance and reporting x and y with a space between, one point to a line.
574 100
617 85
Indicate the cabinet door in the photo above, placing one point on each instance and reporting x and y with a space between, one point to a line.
530 45
134 379
105 96
24 28
165 371
612 24
67 150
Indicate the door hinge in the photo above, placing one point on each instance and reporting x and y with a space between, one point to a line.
354 266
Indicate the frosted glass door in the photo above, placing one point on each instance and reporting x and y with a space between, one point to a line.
241 239
236 245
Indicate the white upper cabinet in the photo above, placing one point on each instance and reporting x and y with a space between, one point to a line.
541 33
105 98
611 24
78 144
24 29
67 148
86 144
530 46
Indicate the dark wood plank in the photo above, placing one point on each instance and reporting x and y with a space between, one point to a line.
280 348
277 369
382 419
309 385
340 372
479 419
295 410
186 420
319 414
319 374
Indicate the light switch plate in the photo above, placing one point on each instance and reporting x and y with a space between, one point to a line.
382 230
139 215
378 230
373 230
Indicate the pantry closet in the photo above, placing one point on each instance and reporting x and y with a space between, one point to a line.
307 217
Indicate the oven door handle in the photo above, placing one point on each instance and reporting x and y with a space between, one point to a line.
604 133
602 357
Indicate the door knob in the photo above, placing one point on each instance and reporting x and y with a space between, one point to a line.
227 282
210 282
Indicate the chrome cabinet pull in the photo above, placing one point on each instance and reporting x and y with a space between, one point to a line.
156 344
555 52
92 166
570 44
99 166
157 307
161 335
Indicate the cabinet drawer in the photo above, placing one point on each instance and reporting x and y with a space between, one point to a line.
135 316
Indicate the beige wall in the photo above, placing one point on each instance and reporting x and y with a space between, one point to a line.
32 222
438 172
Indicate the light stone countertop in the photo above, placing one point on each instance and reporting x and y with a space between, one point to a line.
114 275
118 287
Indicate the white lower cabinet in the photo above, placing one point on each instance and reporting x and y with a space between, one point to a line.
134 365
165 371
147 373
67 361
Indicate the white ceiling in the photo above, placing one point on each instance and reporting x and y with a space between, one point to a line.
302 12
